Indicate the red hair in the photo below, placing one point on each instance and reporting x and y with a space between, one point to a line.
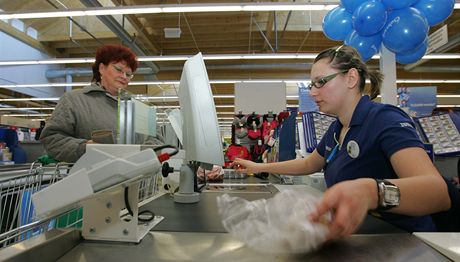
112 54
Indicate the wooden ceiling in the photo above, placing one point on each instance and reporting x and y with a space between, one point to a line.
209 33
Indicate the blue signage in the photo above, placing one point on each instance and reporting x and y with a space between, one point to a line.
417 101
306 101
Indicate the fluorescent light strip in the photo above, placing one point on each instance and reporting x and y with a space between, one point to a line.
205 57
48 61
26 115
25 108
29 99
175 8
81 84
427 81
45 85
448 106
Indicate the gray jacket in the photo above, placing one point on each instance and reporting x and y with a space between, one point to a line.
77 114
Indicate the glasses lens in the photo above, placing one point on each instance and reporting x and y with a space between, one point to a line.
127 74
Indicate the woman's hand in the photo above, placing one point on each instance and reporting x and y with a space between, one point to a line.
245 166
349 202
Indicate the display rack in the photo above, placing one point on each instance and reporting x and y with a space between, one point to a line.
442 131
315 125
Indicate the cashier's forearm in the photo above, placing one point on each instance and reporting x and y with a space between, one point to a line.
422 195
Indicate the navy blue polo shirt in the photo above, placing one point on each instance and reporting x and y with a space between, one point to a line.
376 132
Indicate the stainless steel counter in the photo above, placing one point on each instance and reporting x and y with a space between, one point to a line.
193 232
221 247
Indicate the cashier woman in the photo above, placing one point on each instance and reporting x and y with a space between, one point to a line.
81 112
372 156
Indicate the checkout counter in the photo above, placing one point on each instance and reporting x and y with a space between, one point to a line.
193 232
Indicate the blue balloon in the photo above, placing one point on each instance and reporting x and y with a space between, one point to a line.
405 30
337 24
351 5
435 11
398 4
413 55
369 18
367 46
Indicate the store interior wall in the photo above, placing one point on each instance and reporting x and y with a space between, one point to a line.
13 49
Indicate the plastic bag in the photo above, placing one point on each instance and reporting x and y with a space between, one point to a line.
277 225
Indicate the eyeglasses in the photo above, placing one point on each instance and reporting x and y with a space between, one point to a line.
119 70
323 80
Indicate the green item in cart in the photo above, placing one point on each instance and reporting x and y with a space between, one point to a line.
69 219
46 160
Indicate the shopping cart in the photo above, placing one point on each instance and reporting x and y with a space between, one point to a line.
17 218
17 221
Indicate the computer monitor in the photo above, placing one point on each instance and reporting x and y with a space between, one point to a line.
200 130
201 136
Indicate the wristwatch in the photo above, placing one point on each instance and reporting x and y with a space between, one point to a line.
389 195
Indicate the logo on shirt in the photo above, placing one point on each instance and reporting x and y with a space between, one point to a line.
328 148
405 124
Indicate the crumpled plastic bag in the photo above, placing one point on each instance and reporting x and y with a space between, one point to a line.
277 225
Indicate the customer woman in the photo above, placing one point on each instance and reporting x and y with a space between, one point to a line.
93 108
371 155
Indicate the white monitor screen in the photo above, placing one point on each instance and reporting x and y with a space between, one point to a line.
201 136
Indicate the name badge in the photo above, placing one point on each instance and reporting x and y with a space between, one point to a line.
353 149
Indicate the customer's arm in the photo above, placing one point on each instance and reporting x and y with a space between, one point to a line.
304 166
58 136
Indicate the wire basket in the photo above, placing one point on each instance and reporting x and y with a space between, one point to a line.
17 216
17 221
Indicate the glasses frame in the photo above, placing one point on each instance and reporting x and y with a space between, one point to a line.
119 70
323 80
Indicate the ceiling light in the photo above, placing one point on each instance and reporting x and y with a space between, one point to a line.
45 85
48 61
163 58
448 96
191 8
25 108
284 7
26 115
205 57
175 8
448 106
174 82
29 99
427 81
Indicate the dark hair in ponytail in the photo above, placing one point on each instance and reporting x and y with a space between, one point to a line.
346 57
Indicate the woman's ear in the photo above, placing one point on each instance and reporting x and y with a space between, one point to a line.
352 78
102 68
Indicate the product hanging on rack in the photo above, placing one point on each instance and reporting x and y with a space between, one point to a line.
269 124
254 126
239 125
236 151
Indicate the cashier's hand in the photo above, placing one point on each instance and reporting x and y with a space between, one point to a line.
349 202
245 166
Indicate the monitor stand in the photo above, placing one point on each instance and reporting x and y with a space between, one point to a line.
186 193
102 220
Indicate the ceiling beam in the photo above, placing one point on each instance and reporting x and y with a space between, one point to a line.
140 28
268 31
119 30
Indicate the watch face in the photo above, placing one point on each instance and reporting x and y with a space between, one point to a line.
392 195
